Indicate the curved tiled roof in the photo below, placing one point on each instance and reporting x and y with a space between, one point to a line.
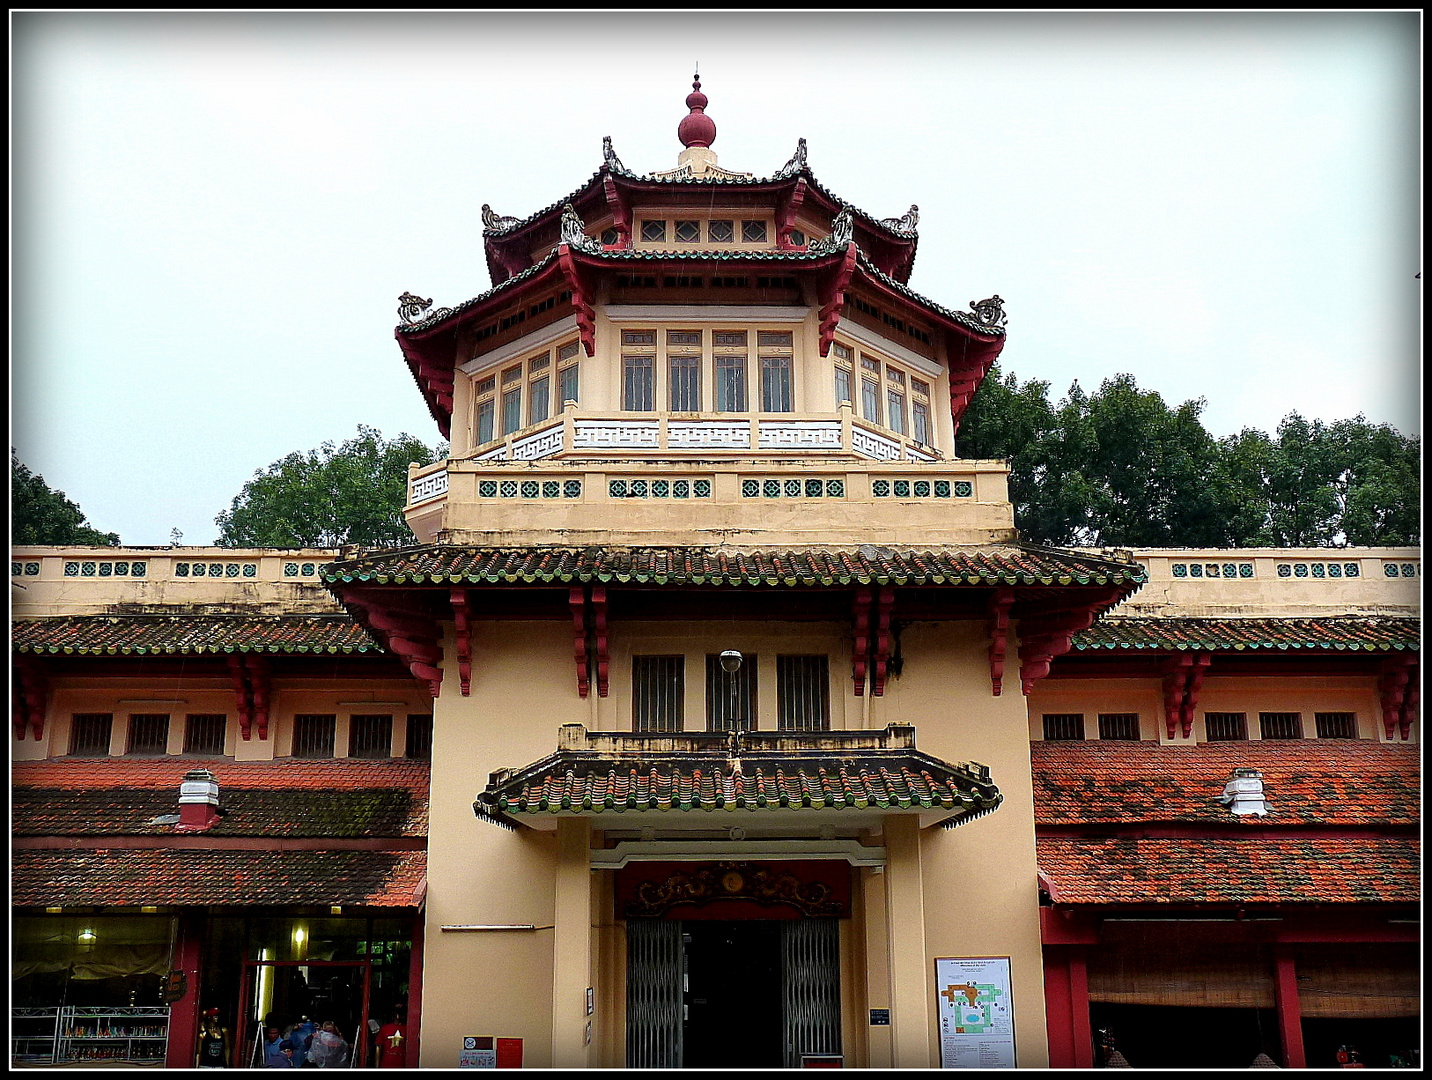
130 877
1230 870
1340 633
1307 782
154 635
961 317
1013 565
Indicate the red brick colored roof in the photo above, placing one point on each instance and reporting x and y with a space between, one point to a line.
186 876
1012 565
148 635
1244 869
1339 634
1307 781
289 797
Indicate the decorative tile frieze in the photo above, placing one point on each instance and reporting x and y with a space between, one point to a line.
540 445
1401 569
87 568
616 434
792 488
216 569
799 434
566 487
874 446
28 569
1317 570
300 570
903 488
647 488
428 487
708 434
1212 570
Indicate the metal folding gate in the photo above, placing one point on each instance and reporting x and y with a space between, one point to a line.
810 991
654 984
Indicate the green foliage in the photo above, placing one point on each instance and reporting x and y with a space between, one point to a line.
40 515
1122 468
334 495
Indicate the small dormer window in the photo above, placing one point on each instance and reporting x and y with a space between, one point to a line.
721 232
653 231
753 232
688 232
798 238
609 237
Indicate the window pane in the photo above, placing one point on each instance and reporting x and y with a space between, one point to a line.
780 339
897 411
803 693
776 384
654 231
1280 725
568 375
567 351
537 395
921 416
204 734
842 352
1060 727
753 232
1225 727
688 232
842 385
638 389
370 736
730 384
512 411
731 698
721 232
89 734
313 735
420 737
658 692
512 375
684 379
1119 726
870 400
1336 725
486 411
148 733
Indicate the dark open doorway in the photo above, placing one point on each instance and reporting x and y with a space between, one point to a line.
733 1015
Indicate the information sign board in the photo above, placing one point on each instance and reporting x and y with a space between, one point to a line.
976 1012
477 1052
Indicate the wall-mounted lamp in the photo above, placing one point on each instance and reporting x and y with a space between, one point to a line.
87 935
731 661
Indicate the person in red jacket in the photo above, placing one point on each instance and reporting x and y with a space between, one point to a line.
392 1043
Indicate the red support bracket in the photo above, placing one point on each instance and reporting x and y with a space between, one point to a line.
832 299
1191 691
1392 683
1000 601
260 684
414 637
577 600
463 632
786 217
1175 681
582 299
27 698
243 697
861 652
1046 635
1409 706
599 627
884 602
621 214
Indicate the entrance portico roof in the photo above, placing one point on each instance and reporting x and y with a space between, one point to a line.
633 779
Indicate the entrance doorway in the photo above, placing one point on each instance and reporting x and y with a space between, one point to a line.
750 993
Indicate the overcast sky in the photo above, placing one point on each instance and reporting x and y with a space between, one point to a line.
214 215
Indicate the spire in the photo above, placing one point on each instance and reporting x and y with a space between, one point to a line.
696 128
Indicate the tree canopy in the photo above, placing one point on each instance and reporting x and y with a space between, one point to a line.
1122 468
350 493
41 515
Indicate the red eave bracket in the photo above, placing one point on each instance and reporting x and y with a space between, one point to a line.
27 698
861 626
1397 690
599 630
884 602
463 639
577 600
1182 681
1047 634
1000 602
582 299
832 298
786 217
621 214
589 637
252 687
412 635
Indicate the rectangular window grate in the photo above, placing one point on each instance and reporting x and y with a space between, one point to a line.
684 382
204 734
420 737
658 692
776 384
1336 725
148 733
370 736
1280 725
803 693
638 383
89 734
730 698
1225 726
731 383
313 735
1119 725
1063 727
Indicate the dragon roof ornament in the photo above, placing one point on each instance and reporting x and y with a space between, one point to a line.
609 156
904 224
411 307
574 232
842 234
990 312
796 163
497 222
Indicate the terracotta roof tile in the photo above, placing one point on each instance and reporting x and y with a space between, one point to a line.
187 876
1341 633
1234 870
1307 781
149 635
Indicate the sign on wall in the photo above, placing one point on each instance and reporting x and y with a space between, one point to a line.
976 1012
477 1053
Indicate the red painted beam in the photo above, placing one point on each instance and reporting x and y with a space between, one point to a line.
183 1049
1058 1008
415 991
1285 1001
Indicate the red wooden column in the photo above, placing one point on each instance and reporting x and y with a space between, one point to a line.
184 1013
415 991
1285 1000
1066 1007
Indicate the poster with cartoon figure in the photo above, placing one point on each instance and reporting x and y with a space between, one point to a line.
976 1012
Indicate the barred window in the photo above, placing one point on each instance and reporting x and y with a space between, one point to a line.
688 232
753 232
420 737
803 693
653 231
1336 725
658 692
1062 727
1225 726
204 734
148 733
683 358
638 383
721 232
313 735
1122 725
1280 725
370 736
89 734
730 697
921 414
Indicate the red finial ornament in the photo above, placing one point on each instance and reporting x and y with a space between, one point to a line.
696 128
